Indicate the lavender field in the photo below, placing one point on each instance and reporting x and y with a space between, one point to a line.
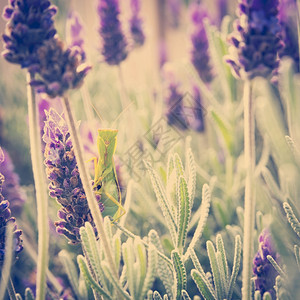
150 149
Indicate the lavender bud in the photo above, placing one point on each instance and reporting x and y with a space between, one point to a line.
59 69
174 105
74 30
65 183
174 7
265 274
199 54
5 219
11 189
136 24
256 39
29 25
114 42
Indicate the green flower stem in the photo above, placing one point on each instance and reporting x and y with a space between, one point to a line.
249 206
41 191
93 204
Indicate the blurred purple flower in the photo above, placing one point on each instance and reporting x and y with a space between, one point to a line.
288 22
174 8
59 69
265 274
174 104
29 25
74 35
222 8
11 189
197 122
136 24
114 42
162 52
5 219
65 183
256 39
199 55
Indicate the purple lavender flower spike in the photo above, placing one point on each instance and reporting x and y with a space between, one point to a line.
256 39
288 22
174 105
74 30
114 48
5 219
136 24
59 69
199 54
11 189
174 7
65 183
29 25
265 274
197 123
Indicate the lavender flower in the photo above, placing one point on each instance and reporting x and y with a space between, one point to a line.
174 7
74 33
256 40
136 24
5 219
174 102
114 42
197 123
65 184
265 273
288 22
59 69
29 25
199 54
11 189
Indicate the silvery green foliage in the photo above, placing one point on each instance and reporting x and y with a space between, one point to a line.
137 273
223 282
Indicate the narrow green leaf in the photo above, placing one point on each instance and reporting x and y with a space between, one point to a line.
206 198
107 228
267 296
224 286
292 218
150 295
19 297
113 280
297 255
140 252
157 296
89 279
236 265
82 287
224 265
170 165
128 257
166 297
185 295
151 270
178 166
184 212
276 266
71 270
202 285
29 294
89 243
257 295
117 249
225 131
215 269
162 201
191 175
163 268
180 274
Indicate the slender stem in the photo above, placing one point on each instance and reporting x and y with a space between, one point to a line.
41 191
11 290
249 206
92 202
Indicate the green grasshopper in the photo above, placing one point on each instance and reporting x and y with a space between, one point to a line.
105 181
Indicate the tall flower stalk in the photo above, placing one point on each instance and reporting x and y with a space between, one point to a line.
254 52
29 25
